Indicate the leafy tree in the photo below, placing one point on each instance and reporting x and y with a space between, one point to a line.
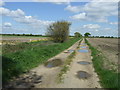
101 36
87 34
31 35
77 34
59 31
23 34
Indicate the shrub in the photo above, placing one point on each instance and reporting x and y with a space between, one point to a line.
87 34
77 34
59 31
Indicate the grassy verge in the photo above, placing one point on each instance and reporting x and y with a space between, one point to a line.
31 55
108 78
79 43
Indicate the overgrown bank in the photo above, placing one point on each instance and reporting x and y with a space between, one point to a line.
15 63
108 78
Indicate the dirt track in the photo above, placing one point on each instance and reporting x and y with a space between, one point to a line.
109 47
72 81
46 77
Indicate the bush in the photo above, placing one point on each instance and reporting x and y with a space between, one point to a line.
59 31
77 34
87 34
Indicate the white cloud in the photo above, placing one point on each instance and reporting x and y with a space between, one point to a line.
92 26
4 11
17 13
2 3
26 19
105 1
75 0
19 16
79 16
33 21
59 1
114 23
13 13
7 24
96 11
107 29
72 8
96 30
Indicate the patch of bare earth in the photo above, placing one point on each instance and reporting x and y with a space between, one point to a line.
109 47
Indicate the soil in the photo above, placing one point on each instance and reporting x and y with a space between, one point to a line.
109 47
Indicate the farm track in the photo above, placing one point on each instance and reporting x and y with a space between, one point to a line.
80 75
45 77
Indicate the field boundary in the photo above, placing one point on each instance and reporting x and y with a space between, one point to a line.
108 78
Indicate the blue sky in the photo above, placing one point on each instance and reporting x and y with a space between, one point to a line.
98 18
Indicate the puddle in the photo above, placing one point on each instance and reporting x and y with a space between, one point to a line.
83 50
83 47
83 75
71 50
83 44
54 63
83 62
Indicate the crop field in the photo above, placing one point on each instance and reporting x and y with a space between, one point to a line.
109 47
22 38
18 39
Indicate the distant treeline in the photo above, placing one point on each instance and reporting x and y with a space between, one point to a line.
25 35
103 37
19 35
